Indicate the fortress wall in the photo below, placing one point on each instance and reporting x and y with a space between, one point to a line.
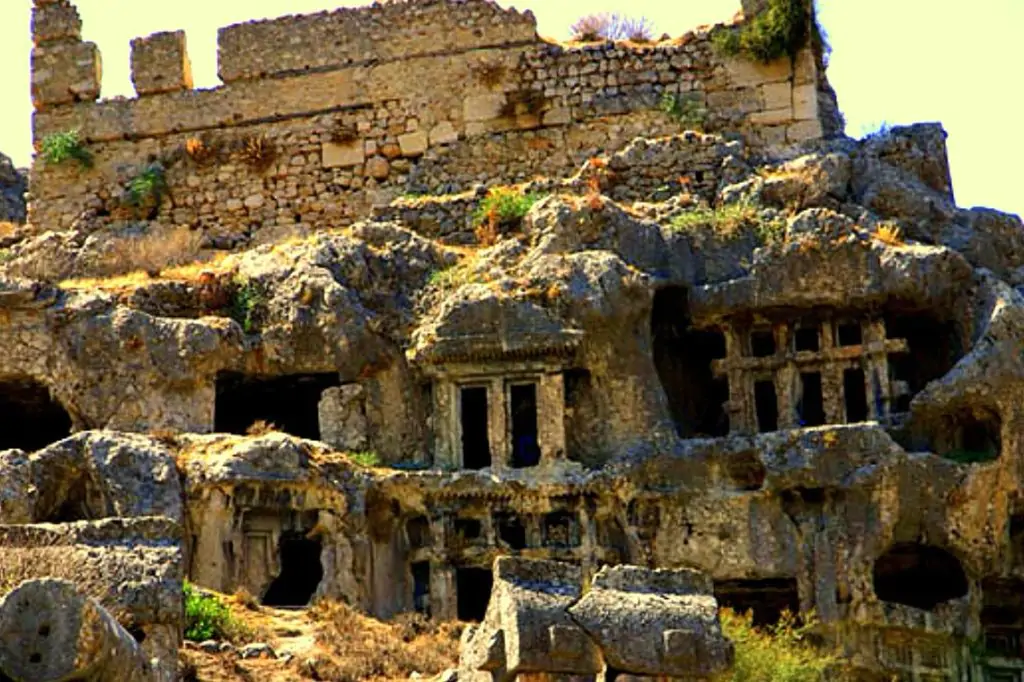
449 94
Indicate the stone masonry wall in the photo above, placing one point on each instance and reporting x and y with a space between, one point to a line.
350 109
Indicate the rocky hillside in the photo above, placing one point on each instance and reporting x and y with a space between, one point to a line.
13 186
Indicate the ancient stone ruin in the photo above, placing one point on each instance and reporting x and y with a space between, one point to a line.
282 336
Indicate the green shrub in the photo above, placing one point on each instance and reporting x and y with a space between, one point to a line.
60 148
777 31
206 617
504 207
248 305
146 189
779 653
732 221
686 110
365 459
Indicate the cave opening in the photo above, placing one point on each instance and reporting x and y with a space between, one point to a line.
525 440
473 592
30 419
855 395
476 447
559 529
934 347
511 530
77 499
766 405
291 403
301 571
421 587
683 358
921 576
811 406
975 436
765 599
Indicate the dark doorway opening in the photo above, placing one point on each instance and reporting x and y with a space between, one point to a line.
421 587
849 334
525 443
301 572
745 469
417 530
855 395
560 530
30 419
511 530
290 403
473 587
812 401
766 403
476 448
767 599
807 338
916 575
683 357
762 343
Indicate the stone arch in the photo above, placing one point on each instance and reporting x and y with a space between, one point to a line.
30 417
918 575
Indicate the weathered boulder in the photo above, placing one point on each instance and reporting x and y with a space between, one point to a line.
527 628
13 185
655 622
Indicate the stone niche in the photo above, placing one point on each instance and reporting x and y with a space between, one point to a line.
30 418
811 370
498 416
313 406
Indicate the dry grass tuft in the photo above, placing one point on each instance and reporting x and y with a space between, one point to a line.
490 74
260 428
889 233
258 152
360 648
200 151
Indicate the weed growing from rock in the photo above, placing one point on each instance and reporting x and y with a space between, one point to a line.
609 26
248 305
504 208
60 148
732 221
365 459
687 110
779 30
147 188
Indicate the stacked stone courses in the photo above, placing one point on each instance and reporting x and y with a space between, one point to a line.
360 106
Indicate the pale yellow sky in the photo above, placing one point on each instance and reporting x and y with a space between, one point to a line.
900 61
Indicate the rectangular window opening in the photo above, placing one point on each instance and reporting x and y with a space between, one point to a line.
476 449
855 395
812 401
523 409
766 403
762 343
469 530
559 529
807 339
849 334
